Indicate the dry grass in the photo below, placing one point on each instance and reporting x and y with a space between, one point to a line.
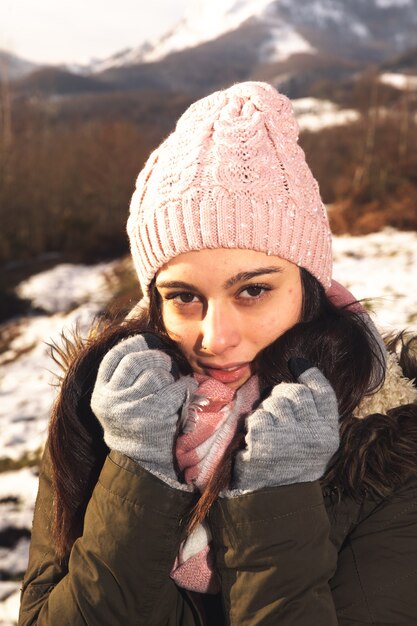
126 291
30 459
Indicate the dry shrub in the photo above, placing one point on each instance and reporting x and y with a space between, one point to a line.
68 191
67 175
127 293
367 171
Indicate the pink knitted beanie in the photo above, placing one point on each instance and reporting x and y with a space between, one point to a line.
231 175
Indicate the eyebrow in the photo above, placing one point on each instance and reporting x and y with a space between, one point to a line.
252 274
173 284
241 276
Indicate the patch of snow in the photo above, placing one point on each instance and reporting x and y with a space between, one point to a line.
66 286
388 4
7 587
313 114
359 29
18 491
381 266
283 42
399 81
9 603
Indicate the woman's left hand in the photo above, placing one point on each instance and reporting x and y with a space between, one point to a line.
292 435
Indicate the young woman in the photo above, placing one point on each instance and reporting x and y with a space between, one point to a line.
242 449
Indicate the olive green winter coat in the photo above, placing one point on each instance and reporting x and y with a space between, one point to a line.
343 552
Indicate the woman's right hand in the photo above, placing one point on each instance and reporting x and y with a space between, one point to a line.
137 399
292 435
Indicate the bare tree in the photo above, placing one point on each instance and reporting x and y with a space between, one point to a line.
5 107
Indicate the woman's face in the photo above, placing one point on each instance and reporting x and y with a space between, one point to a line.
223 307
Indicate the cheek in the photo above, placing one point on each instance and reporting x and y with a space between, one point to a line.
294 305
171 324
282 315
181 331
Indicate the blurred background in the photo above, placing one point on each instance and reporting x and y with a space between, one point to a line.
87 90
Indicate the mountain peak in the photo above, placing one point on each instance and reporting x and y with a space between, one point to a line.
206 21
343 27
203 22
13 66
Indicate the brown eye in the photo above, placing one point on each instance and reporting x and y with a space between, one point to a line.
254 290
186 298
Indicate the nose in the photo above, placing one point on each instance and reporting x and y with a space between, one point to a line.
219 329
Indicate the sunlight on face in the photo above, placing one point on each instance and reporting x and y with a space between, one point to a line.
223 307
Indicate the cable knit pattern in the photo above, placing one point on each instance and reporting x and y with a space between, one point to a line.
231 175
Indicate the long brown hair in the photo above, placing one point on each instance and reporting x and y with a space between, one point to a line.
335 339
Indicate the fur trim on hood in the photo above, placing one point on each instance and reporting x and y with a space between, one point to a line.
396 390
378 452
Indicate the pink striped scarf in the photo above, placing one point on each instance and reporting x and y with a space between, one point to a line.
209 421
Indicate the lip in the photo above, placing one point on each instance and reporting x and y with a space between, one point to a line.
225 366
229 373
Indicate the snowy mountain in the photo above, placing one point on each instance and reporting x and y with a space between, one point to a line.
12 66
290 43
376 28
204 22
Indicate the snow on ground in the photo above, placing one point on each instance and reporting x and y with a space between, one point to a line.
399 81
66 286
9 603
314 114
21 485
26 384
381 266
72 295
17 497
26 389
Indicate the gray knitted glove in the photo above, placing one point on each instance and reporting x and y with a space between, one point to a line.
137 401
292 435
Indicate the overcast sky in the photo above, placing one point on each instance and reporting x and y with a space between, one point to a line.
68 31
